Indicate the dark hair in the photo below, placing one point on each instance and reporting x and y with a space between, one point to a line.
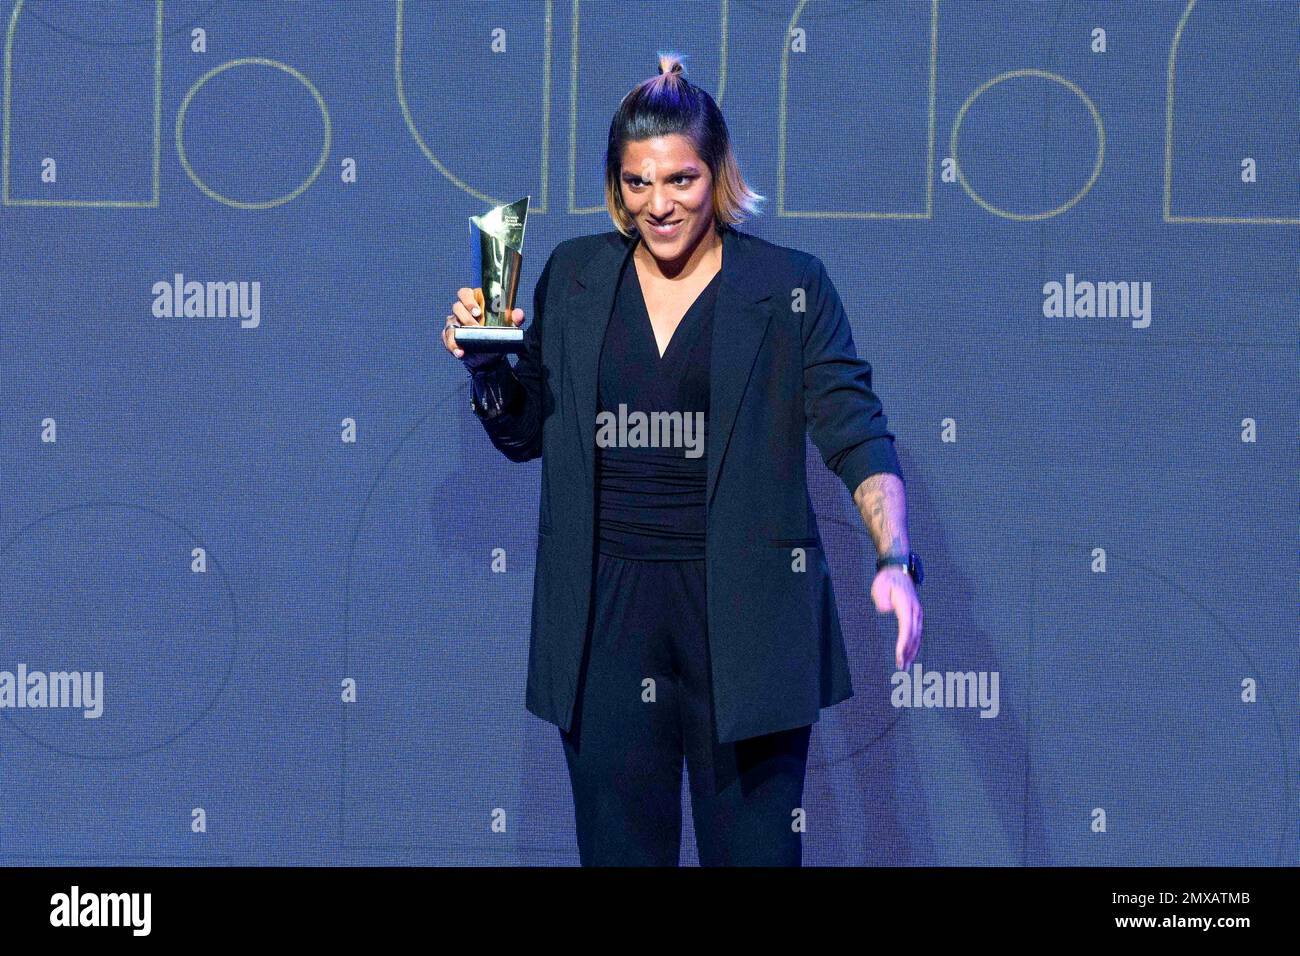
667 104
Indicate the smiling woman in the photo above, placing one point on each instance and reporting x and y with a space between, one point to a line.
650 146
660 185
701 358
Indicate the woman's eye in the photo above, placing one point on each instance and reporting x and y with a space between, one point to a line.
683 180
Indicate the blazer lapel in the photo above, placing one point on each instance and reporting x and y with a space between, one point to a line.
739 324
589 312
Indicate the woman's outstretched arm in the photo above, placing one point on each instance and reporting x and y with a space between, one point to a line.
847 422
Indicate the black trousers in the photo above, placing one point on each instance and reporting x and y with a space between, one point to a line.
644 703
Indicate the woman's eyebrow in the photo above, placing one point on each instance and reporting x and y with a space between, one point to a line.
684 171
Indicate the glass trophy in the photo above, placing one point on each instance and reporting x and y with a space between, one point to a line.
496 241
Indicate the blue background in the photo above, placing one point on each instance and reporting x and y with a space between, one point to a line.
372 560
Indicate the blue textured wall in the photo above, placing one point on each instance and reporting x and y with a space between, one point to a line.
1106 502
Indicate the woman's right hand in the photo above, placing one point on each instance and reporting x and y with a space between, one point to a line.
466 310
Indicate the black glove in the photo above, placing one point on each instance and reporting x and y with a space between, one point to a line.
482 361
493 389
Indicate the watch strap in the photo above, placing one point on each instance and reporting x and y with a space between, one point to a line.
910 562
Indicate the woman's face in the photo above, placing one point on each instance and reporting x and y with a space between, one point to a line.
665 183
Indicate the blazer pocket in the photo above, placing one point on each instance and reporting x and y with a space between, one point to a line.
795 542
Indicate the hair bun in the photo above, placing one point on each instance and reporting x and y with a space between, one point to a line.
670 63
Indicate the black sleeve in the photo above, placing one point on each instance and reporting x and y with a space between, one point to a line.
845 417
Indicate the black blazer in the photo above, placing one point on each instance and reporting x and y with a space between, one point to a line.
783 362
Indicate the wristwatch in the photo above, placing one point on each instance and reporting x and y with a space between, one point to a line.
911 563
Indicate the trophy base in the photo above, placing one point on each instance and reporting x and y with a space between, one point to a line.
486 339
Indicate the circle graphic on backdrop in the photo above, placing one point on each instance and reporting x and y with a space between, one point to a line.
107 587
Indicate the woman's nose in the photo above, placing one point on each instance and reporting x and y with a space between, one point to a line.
660 206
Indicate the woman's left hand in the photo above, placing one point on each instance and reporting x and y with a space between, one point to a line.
893 590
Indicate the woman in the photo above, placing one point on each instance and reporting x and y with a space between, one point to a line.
682 604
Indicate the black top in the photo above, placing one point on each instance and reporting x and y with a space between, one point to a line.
651 472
